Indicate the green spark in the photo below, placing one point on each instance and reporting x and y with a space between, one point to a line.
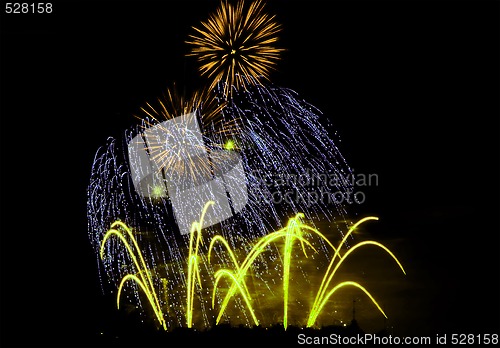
158 191
229 145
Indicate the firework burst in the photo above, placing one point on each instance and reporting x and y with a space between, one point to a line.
173 104
167 142
236 43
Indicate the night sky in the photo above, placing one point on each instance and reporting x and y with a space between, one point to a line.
410 87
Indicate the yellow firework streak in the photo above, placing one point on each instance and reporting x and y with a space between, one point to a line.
120 230
235 43
322 297
291 233
193 263
295 231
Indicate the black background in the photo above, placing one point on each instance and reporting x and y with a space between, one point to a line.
411 87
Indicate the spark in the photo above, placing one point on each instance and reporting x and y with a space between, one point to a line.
158 191
229 145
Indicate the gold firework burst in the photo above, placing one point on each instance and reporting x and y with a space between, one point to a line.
173 104
200 103
236 44
177 146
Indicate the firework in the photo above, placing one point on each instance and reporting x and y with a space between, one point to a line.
295 230
261 136
167 142
236 43
277 133
121 231
173 104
